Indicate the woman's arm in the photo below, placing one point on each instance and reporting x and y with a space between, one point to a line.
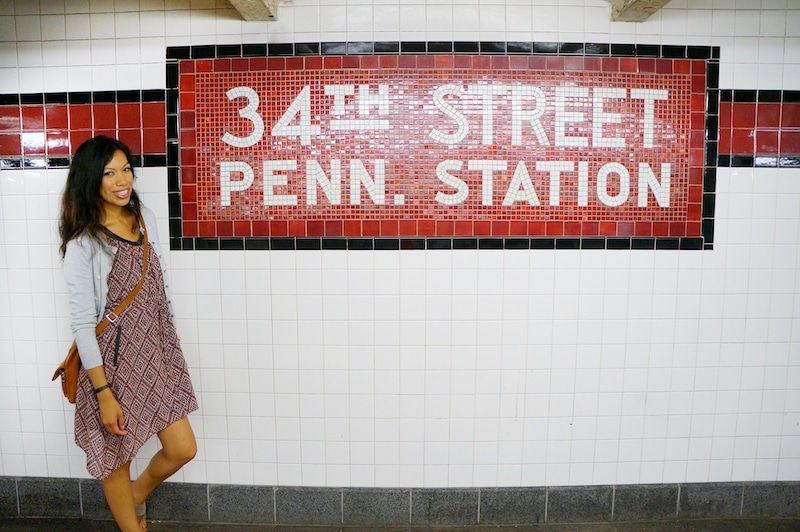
79 275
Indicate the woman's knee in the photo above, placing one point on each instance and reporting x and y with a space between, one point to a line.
179 443
190 450
181 451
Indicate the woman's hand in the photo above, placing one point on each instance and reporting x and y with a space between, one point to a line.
111 413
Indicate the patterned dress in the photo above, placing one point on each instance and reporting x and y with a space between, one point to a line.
143 362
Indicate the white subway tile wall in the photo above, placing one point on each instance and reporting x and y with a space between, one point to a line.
448 368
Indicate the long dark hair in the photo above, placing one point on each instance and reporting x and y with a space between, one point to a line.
81 204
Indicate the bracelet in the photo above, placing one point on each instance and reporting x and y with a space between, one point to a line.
101 388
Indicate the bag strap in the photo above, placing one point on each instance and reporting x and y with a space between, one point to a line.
114 314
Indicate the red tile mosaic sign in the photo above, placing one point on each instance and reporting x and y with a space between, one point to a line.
442 146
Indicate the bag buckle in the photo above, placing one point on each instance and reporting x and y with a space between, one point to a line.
111 317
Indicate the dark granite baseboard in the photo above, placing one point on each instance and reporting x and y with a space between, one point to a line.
220 503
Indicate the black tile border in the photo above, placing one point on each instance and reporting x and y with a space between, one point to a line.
286 243
758 161
18 163
708 53
283 49
36 497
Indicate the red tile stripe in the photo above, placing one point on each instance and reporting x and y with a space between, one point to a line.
759 128
57 130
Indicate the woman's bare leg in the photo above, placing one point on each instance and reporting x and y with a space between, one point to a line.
119 495
178 446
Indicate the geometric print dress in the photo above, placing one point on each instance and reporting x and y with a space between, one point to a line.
143 361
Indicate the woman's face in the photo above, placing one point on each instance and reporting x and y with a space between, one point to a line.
117 184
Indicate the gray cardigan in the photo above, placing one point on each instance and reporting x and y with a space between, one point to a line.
87 263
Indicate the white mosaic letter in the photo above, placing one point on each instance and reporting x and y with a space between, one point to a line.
648 179
600 117
461 121
487 92
226 186
301 106
488 168
365 101
271 179
624 184
583 184
442 172
376 189
339 92
248 112
563 117
519 115
649 96
555 168
332 187
521 187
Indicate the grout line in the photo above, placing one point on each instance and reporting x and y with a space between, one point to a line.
613 501
410 504
741 502
479 504
546 501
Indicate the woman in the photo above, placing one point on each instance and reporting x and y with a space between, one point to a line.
133 382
